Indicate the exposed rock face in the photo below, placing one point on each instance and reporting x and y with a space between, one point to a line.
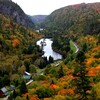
38 18
9 8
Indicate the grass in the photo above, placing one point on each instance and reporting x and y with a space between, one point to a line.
73 48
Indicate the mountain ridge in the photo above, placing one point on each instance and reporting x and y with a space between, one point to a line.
37 19
13 10
80 18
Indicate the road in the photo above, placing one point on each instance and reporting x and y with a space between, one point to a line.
77 47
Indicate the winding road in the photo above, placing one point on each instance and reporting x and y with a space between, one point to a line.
77 47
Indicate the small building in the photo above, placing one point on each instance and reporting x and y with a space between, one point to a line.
27 76
3 92
11 88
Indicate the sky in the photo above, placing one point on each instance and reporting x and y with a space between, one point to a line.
45 7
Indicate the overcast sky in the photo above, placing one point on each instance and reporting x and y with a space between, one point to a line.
45 7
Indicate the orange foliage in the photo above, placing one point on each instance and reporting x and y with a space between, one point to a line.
94 71
96 48
35 97
54 86
47 99
66 91
89 61
15 43
98 67
25 95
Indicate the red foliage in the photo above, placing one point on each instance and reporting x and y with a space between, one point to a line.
53 86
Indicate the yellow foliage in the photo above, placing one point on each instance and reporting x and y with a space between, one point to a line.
96 87
59 97
96 48
47 99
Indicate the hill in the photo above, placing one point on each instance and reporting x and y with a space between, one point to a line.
38 18
81 18
9 8
17 42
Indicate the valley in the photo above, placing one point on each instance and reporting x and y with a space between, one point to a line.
60 62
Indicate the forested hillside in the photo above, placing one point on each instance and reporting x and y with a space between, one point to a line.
80 19
17 45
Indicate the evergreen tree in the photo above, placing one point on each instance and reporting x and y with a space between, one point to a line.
81 82
61 72
27 64
14 94
27 97
51 59
80 57
23 88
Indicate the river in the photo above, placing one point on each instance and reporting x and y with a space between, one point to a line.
47 48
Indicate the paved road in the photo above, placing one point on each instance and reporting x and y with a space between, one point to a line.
77 47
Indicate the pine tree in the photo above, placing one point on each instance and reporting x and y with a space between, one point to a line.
51 60
14 94
61 72
27 97
23 88
81 82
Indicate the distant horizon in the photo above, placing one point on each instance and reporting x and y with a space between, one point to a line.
46 7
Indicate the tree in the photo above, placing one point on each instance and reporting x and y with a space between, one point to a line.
32 68
61 72
80 57
51 59
84 46
23 88
44 92
27 97
81 82
27 64
14 94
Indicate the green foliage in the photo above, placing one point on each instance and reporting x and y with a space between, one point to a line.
96 92
80 18
72 46
44 92
27 64
23 88
80 57
61 44
32 68
51 71
81 82
61 72
39 77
